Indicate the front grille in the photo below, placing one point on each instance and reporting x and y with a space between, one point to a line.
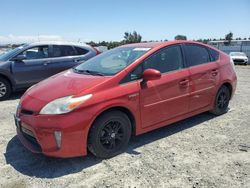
30 137
239 61
26 112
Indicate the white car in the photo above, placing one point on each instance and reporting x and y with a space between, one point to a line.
239 58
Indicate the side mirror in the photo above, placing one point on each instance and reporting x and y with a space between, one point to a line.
151 74
19 58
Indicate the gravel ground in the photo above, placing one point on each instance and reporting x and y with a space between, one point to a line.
202 151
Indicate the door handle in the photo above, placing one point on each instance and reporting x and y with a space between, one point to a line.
76 60
46 63
214 72
184 82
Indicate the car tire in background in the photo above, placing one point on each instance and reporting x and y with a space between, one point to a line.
5 89
221 101
110 134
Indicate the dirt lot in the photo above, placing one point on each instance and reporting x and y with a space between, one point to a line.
202 151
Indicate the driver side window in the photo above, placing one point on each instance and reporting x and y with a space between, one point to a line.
38 52
134 75
166 60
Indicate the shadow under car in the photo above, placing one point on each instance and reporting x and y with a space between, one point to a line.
41 166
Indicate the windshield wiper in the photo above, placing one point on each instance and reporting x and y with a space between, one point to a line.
93 72
88 72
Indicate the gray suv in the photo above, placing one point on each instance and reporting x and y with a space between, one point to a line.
28 64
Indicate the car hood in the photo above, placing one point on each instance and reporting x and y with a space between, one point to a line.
239 57
64 84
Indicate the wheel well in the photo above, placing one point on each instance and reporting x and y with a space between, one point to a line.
127 112
229 86
6 78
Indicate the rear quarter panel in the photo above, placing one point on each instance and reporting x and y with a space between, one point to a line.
227 72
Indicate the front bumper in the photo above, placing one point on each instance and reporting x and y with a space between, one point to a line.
37 133
240 61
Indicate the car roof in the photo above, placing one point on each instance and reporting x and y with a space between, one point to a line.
237 53
57 43
160 44
143 45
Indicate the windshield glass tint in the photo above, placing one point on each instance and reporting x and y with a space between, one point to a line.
112 61
5 56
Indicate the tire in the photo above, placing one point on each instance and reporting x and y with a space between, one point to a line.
5 89
221 101
109 134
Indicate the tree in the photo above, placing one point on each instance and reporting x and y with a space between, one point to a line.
180 37
132 37
103 43
228 38
91 43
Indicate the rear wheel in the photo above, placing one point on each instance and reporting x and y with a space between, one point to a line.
5 89
110 134
221 101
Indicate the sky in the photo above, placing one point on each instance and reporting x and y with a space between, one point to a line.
98 20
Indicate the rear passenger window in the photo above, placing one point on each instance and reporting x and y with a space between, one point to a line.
63 50
196 54
213 54
167 59
81 51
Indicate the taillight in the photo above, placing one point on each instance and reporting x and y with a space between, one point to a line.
97 51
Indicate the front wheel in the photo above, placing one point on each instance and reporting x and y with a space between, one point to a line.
5 89
110 134
221 101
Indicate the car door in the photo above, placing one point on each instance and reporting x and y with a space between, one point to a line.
204 76
63 57
167 97
33 68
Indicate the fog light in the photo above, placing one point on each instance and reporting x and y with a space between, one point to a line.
58 138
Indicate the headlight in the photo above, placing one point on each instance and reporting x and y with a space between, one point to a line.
64 105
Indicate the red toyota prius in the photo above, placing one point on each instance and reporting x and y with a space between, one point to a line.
125 91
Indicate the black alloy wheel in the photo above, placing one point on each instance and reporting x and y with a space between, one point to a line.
221 101
110 134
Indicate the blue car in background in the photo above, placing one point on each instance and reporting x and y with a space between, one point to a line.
28 64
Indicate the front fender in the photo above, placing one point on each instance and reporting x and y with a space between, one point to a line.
7 75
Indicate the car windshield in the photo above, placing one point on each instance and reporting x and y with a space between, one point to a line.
237 54
5 56
112 61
